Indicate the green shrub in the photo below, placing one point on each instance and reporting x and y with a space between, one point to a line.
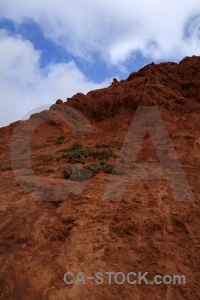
98 145
102 166
66 173
60 140
102 145
77 154
69 168
75 146
85 173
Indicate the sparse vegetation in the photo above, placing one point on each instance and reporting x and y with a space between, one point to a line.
69 168
77 154
85 173
60 140
75 146
66 173
101 166
78 174
102 145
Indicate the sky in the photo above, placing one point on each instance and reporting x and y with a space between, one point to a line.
52 50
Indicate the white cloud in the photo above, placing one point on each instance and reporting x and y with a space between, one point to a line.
24 85
114 29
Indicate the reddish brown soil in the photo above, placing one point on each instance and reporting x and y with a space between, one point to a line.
147 231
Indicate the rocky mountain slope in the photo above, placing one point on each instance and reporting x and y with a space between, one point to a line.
54 170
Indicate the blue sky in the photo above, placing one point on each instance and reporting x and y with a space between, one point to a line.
51 50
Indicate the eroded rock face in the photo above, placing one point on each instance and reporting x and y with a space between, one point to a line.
168 85
147 231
